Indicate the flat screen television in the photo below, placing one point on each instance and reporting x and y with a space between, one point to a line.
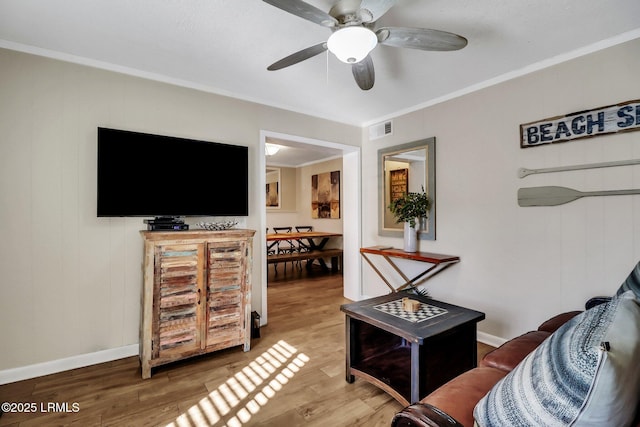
147 175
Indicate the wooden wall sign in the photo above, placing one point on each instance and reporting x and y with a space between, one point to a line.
584 124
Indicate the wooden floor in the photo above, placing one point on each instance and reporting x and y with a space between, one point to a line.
293 376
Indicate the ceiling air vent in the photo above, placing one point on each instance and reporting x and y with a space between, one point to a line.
380 130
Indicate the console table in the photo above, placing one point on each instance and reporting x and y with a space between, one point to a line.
409 355
439 262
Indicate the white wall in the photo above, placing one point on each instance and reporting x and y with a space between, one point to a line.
522 265
70 282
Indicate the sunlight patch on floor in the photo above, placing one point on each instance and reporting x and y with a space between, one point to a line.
233 403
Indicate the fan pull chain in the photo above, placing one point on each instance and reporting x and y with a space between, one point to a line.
327 68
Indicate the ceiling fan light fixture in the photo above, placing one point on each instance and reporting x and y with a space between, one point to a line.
352 44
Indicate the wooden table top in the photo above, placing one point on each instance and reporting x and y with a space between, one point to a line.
429 257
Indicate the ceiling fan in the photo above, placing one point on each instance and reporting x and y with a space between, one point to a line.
352 23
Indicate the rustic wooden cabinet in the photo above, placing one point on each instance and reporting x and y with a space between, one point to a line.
196 296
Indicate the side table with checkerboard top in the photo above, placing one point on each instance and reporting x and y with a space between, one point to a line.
409 354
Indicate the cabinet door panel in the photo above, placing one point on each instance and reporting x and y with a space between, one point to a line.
225 317
226 283
178 278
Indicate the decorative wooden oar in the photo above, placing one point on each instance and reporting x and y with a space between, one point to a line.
553 196
522 172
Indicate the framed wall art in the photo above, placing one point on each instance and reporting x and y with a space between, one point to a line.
325 195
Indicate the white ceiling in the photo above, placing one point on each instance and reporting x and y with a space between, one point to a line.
298 154
224 46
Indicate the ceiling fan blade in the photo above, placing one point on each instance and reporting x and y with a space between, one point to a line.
305 11
420 38
299 56
364 73
377 8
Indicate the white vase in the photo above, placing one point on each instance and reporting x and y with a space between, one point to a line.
410 238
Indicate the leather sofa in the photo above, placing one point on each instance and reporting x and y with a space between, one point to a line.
453 403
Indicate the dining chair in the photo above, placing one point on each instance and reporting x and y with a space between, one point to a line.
285 246
272 250
271 246
302 245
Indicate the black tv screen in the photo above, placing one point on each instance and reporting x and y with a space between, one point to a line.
140 174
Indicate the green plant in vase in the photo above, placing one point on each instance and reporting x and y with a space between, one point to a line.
410 207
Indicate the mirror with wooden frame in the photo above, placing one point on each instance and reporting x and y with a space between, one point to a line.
407 168
273 188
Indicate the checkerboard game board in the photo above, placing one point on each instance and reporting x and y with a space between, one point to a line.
425 312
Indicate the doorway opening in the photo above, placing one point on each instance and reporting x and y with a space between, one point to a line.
348 157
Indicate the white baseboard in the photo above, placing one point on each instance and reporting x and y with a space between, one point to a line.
39 369
489 339
46 368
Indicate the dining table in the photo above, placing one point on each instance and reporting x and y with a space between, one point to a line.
315 239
